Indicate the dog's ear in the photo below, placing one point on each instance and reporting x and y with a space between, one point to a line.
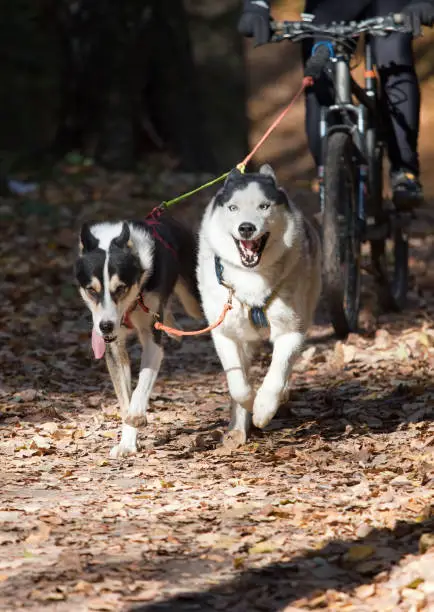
267 170
88 242
233 175
283 197
218 199
123 240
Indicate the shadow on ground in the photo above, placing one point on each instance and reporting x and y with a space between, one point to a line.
275 586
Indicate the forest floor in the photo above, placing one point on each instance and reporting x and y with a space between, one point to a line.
330 507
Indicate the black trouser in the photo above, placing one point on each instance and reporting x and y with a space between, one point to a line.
394 59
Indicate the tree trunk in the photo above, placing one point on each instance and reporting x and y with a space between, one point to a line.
129 82
173 95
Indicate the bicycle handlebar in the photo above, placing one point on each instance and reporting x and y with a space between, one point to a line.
316 63
376 26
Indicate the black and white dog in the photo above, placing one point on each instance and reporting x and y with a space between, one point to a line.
127 273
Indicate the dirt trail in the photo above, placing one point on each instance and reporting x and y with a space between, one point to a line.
330 507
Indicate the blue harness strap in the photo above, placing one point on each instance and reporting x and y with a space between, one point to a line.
218 269
258 317
257 314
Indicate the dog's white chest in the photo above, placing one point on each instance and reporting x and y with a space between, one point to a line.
238 324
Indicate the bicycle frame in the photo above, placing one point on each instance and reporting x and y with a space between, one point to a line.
364 123
343 115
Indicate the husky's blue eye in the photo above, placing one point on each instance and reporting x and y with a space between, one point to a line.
264 206
232 207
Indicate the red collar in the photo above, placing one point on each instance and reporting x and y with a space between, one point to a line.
126 321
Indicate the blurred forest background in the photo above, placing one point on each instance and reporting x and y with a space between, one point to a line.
127 83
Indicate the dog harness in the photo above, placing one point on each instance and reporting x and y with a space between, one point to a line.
152 222
126 321
257 314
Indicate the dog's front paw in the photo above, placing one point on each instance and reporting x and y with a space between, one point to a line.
265 407
128 443
234 439
122 450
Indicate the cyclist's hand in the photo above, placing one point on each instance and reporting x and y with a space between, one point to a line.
420 13
255 21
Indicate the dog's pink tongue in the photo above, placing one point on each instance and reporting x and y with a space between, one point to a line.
248 244
98 345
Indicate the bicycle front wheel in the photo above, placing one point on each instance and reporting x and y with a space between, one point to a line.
341 235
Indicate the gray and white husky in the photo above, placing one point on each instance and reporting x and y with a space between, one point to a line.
255 242
127 273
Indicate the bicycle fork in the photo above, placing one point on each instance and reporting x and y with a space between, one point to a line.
344 116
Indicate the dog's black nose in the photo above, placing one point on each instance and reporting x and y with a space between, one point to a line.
246 230
106 327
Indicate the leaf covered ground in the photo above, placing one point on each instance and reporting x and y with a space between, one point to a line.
331 507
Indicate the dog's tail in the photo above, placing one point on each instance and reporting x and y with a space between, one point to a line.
186 288
186 292
184 241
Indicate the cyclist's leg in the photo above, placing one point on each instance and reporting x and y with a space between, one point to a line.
321 93
401 99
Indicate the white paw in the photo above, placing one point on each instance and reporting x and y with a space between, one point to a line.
128 443
234 439
122 450
265 407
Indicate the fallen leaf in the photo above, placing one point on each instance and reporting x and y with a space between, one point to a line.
26 395
50 427
146 595
349 353
415 583
365 590
383 339
83 587
40 443
359 552
426 541
267 546
105 604
235 491
285 452
41 535
78 433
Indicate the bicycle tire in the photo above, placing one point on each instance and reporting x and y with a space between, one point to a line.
391 276
341 235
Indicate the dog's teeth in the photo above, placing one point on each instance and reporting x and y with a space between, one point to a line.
250 251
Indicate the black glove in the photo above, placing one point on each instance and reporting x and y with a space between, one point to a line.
420 13
255 21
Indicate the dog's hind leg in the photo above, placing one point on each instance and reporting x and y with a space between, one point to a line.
236 363
285 351
135 416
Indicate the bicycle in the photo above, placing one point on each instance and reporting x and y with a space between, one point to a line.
351 170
